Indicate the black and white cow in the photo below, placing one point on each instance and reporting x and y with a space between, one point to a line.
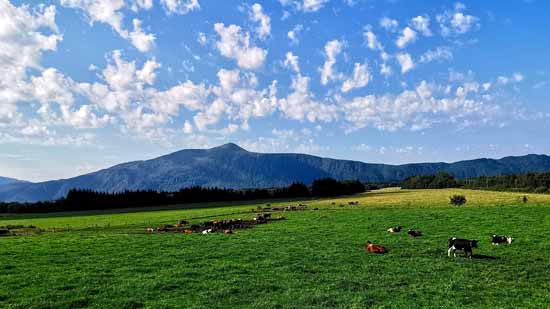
497 240
465 245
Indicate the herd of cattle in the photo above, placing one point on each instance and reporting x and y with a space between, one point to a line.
227 227
454 244
214 226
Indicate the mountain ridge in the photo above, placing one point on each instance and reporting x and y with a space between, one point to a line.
231 166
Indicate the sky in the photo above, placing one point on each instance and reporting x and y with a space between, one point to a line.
86 84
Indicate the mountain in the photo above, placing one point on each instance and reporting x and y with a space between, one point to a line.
6 180
230 166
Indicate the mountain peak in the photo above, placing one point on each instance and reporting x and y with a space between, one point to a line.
229 147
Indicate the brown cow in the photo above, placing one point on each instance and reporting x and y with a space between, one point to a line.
370 247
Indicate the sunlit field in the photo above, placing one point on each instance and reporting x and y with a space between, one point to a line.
313 258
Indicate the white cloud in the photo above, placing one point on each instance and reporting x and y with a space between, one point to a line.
142 5
360 78
313 5
405 61
25 34
291 62
181 7
456 22
515 78
417 109
293 34
307 6
422 25
438 54
407 36
332 50
141 40
389 24
301 105
257 15
110 12
235 44
372 40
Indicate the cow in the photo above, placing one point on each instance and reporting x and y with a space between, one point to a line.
414 233
465 245
182 222
370 247
150 230
228 232
497 240
188 231
395 229
207 231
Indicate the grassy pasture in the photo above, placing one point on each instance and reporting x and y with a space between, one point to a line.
312 259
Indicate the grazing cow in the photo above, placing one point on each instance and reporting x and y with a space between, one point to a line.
370 247
414 233
465 245
395 229
497 240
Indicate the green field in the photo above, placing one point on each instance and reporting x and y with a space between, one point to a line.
311 259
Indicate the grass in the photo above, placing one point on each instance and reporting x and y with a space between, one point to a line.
312 259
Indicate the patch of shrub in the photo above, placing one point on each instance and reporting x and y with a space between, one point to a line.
457 200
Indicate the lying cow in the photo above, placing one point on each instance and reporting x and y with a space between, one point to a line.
465 245
395 229
414 233
497 240
370 247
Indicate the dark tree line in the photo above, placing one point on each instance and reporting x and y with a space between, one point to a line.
438 181
530 182
80 199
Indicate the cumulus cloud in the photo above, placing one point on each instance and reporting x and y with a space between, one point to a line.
438 54
360 78
422 25
405 61
389 24
332 50
372 40
235 44
407 36
142 5
291 62
110 12
141 40
456 21
25 34
257 15
180 7
515 78
306 6
417 109
301 105
293 34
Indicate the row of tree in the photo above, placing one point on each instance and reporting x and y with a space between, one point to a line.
530 182
79 199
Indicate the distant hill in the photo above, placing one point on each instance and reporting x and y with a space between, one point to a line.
6 180
230 166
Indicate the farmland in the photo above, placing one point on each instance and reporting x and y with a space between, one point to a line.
313 258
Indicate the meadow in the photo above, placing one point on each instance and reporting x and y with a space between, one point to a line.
311 259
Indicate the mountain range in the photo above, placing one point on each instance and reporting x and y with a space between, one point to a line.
231 166
6 180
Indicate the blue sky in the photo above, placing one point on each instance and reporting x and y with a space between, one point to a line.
85 84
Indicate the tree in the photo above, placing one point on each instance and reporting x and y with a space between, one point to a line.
457 200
